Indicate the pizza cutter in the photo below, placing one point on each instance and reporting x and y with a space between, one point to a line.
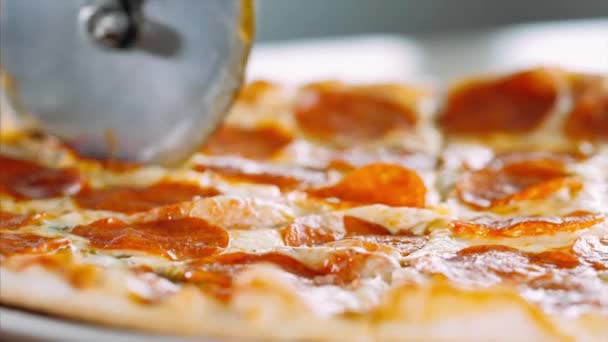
138 80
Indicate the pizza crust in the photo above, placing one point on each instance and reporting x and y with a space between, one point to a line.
431 312
256 309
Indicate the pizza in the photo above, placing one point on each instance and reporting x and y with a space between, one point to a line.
332 211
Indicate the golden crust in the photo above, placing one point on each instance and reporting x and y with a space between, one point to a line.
430 312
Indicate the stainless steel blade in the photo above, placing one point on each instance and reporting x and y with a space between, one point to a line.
155 101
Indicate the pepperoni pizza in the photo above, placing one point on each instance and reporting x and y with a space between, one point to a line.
333 212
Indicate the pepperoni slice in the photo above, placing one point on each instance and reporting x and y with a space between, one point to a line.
374 237
381 183
15 221
13 243
513 104
348 160
491 264
555 274
589 117
593 249
344 267
344 116
24 179
523 226
252 92
506 263
114 165
185 238
298 234
355 226
285 262
254 143
241 175
128 199
555 258
357 233
554 279
403 244
215 274
515 178
340 165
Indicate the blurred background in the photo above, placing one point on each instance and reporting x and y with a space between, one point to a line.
288 19
424 40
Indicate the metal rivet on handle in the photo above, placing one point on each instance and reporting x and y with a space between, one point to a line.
111 23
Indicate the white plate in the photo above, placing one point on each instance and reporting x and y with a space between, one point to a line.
579 45
23 326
